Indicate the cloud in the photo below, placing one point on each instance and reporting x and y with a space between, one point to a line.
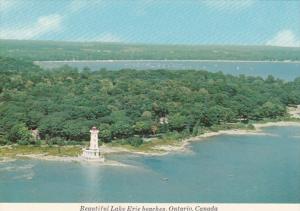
228 5
43 25
104 37
6 5
107 37
285 38
77 5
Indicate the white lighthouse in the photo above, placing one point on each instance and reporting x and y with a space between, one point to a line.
94 139
93 152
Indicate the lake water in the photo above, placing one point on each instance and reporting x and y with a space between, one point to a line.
239 168
283 70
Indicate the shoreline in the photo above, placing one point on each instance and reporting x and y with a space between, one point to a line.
168 60
45 157
157 150
183 144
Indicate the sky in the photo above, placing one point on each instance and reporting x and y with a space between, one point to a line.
237 22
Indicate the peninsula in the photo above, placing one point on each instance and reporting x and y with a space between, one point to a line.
49 113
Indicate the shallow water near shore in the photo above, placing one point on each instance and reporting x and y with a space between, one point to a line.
225 168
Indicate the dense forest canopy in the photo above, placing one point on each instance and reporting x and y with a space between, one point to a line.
64 103
58 50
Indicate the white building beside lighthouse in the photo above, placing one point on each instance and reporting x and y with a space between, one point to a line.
93 151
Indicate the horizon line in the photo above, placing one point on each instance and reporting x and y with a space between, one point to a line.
153 44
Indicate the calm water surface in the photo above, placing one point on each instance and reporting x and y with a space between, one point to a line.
246 168
283 70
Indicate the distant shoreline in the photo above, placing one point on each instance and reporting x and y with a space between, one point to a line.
168 60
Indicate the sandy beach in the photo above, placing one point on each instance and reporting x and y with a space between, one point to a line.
66 159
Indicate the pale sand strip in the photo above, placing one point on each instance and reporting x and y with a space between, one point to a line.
70 159
6 160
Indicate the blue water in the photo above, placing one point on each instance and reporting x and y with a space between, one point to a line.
243 168
282 70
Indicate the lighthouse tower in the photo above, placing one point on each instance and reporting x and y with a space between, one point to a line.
94 139
93 152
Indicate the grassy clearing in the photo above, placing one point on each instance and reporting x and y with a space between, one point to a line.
148 146
14 150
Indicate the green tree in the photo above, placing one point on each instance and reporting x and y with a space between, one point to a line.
105 132
271 110
20 134
143 127
177 122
